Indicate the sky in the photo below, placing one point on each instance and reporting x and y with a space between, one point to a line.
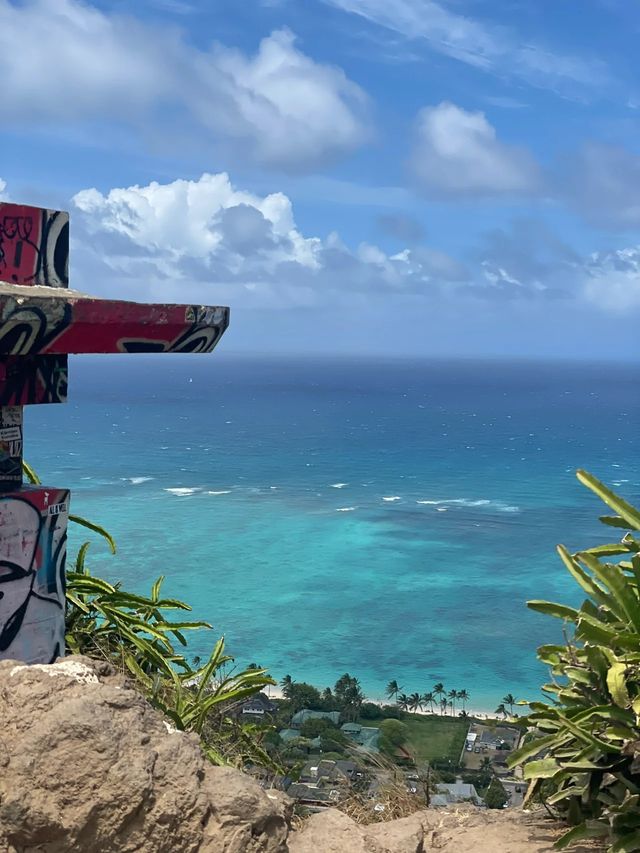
373 177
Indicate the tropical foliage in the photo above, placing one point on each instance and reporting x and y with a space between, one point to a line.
586 748
137 634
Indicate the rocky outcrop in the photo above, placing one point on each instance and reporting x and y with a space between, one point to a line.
87 766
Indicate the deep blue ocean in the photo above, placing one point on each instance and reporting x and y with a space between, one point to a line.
389 519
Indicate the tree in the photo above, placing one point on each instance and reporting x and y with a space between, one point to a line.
403 702
349 695
464 697
443 705
315 726
453 695
496 796
438 690
415 702
393 734
428 699
302 695
501 710
509 700
285 684
393 688
328 699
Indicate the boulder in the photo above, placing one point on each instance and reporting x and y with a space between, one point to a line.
86 764
332 831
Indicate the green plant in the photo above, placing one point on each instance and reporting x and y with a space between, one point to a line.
496 796
133 632
587 736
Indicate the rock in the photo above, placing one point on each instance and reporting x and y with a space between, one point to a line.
88 765
405 835
332 831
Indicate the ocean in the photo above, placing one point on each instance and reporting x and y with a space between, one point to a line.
383 518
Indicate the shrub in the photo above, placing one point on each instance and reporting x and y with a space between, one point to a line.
587 743
496 796
371 711
393 734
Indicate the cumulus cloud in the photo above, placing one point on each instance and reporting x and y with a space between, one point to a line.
458 154
68 61
191 239
208 241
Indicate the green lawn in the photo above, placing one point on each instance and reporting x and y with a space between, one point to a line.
434 737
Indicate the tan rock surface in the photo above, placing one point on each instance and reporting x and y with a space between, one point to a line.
86 765
458 830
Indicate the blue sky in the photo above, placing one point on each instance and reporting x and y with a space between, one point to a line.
408 177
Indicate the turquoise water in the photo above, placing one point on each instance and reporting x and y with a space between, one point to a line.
389 519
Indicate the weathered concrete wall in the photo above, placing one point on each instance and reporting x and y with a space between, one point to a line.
33 541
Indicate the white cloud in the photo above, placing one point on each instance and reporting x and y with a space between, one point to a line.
67 61
189 240
484 45
207 241
4 196
612 280
457 153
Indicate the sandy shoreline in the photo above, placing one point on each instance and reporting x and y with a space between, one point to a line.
275 692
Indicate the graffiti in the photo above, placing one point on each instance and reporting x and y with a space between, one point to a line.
66 322
29 329
32 574
10 446
34 245
32 379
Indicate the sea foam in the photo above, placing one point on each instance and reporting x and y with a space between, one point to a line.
500 506
182 492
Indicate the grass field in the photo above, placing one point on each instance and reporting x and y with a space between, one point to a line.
434 737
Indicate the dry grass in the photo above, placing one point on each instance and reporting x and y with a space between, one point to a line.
395 798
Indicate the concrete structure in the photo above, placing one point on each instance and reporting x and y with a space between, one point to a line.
42 321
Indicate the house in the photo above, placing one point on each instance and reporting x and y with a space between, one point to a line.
327 772
455 792
311 795
365 736
258 706
298 719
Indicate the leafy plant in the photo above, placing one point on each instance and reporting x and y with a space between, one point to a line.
587 736
135 633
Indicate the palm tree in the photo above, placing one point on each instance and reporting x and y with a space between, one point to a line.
453 695
415 702
403 702
286 683
443 705
438 691
501 710
509 700
464 696
393 688
428 699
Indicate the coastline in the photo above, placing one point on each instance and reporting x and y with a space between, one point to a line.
275 692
